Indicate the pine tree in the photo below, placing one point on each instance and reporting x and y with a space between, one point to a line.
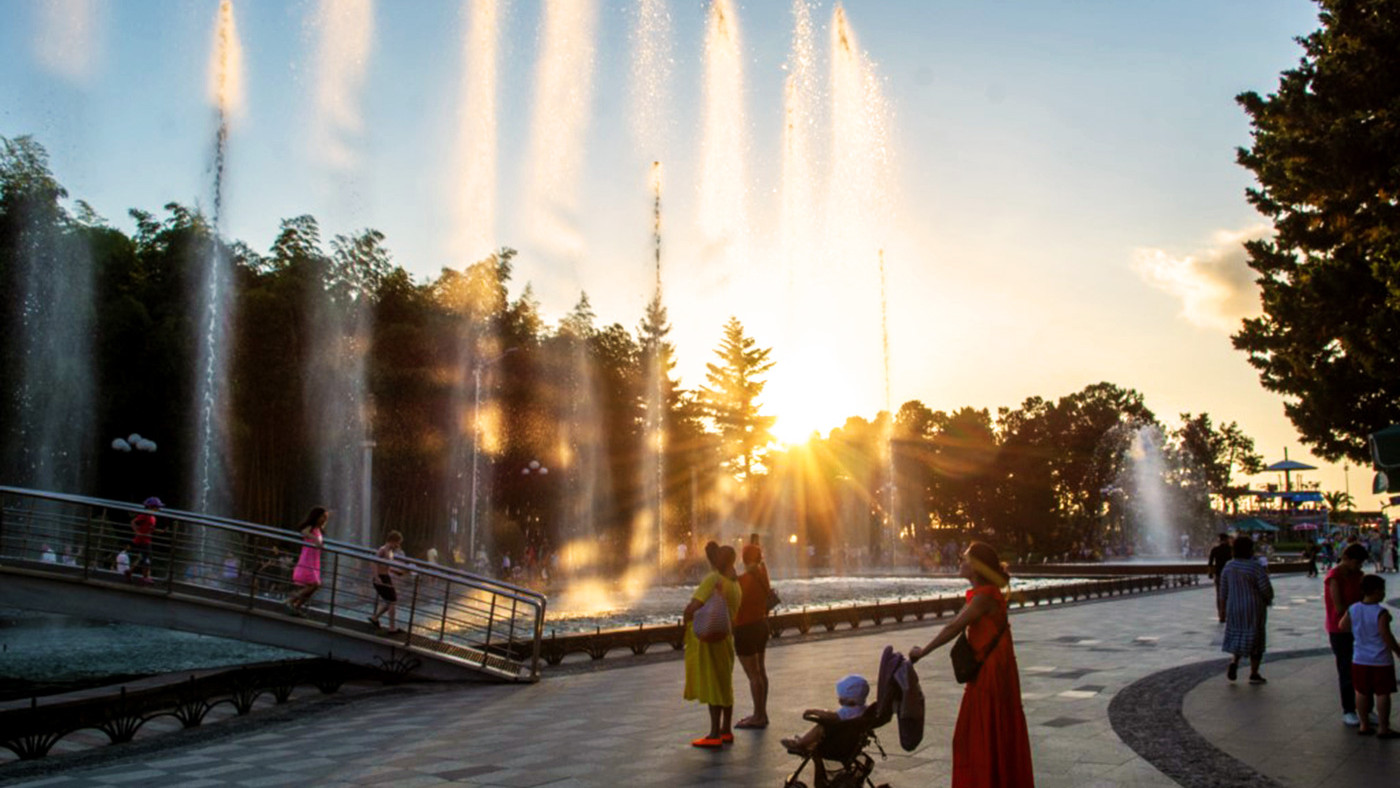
730 399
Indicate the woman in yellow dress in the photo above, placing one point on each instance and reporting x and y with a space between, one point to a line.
709 667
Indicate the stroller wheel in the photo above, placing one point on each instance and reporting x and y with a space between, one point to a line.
795 784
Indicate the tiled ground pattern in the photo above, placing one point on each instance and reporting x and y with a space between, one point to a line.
628 726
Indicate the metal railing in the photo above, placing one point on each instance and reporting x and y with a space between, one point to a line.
489 625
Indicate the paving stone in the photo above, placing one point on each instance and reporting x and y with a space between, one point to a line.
620 723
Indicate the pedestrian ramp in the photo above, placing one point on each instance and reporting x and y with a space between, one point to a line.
215 576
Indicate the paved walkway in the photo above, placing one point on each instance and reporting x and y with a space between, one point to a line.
626 725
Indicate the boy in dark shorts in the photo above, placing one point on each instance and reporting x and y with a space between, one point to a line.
382 573
1372 666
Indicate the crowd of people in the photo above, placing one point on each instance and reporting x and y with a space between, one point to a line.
991 742
1356 622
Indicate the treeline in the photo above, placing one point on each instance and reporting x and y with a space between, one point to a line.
599 407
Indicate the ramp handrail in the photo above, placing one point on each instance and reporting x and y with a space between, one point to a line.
442 612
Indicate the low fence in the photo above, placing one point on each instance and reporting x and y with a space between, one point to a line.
31 728
639 640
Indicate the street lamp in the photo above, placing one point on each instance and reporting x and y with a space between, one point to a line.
476 443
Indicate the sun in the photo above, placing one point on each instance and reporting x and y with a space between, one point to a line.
794 426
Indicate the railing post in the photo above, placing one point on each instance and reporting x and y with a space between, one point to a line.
539 637
446 594
87 545
169 559
412 610
510 641
490 625
335 583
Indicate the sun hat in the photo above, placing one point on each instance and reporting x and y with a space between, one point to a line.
853 690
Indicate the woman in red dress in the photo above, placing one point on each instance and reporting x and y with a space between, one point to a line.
991 746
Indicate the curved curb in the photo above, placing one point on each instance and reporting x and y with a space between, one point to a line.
1147 716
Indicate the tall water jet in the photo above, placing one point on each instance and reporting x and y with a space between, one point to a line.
475 193
50 441
648 535
858 202
651 76
891 491
858 190
559 126
723 209
215 299
339 311
800 207
587 477
344 31
1149 490
476 298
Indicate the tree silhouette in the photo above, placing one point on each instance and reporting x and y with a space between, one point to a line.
730 399
1326 155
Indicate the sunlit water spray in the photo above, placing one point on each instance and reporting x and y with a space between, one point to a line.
559 126
800 206
474 193
723 210
651 76
648 530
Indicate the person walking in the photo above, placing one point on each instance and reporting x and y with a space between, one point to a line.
307 573
1342 588
1220 555
991 744
751 633
709 666
1248 593
381 577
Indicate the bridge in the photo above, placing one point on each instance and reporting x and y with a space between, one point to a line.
227 578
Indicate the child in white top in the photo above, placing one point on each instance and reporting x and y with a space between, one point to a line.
1372 667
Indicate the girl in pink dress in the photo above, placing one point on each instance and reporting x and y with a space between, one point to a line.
307 574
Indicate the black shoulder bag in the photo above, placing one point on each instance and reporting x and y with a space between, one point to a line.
967 664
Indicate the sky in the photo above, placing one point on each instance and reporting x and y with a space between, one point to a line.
1057 201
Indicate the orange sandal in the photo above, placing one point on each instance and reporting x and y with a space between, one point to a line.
726 738
708 743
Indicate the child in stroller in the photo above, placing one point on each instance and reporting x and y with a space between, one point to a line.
839 737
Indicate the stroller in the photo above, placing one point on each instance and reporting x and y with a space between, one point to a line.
839 759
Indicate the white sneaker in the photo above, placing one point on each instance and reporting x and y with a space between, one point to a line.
1350 719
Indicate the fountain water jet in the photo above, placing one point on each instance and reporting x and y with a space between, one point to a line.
559 125
339 312
52 441
345 39
211 493
475 197
651 76
723 209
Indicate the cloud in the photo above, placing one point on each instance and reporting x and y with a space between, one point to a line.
1216 285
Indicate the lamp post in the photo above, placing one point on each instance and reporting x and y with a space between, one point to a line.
365 492
476 445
